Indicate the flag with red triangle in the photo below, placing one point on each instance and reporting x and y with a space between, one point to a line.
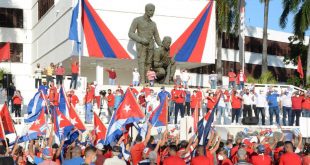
99 129
62 126
299 68
159 116
5 52
128 112
6 122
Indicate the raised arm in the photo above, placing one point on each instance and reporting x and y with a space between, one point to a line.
216 146
148 135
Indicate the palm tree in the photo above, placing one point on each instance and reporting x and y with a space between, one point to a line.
301 22
265 36
226 19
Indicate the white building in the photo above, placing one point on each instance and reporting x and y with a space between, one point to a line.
38 31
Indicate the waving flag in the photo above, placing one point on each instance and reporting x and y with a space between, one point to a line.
100 42
197 43
69 111
34 107
7 126
37 128
204 125
299 68
125 153
128 112
5 52
160 115
62 126
99 129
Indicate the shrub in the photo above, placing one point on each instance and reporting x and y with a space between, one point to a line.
265 78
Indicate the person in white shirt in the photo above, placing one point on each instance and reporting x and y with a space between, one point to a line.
185 78
261 102
213 80
135 77
115 160
247 102
221 106
286 105
151 102
38 76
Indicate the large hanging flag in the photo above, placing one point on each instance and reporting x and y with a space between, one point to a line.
159 116
7 125
299 68
38 127
62 126
69 111
5 52
128 112
34 107
197 43
100 42
99 129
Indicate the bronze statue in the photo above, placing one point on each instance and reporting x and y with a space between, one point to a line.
144 38
164 65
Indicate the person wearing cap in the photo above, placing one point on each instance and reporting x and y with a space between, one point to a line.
261 103
179 96
241 79
99 154
242 157
163 94
135 77
76 158
272 100
115 160
286 105
59 72
261 158
112 76
289 157
47 157
213 80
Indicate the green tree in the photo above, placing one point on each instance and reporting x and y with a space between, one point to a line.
265 36
301 23
226 21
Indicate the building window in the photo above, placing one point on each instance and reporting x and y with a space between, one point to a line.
11 18
44 6
16 51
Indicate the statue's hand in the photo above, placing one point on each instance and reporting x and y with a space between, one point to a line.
144 41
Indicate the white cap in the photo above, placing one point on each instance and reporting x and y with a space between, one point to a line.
99 146
254 139
95 82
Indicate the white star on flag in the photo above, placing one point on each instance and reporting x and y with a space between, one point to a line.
37 122
73 121
127 108
97 129
59 119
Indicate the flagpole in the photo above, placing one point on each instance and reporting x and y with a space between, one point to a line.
1 124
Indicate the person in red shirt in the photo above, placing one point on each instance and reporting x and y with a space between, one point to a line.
53 98
306 157
232 79
142 101
173 159
236 101
88 100
59 72
223 158
112 76
136 150
74 74
261 158
241 79
194 102
201 158
296 108
110 99
289 157
146 90
199 97
120 90
306 106
179 96
134 90
17 103
72 98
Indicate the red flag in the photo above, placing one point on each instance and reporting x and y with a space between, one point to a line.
299 68
99 129
5 52
7 123
39 125
195 116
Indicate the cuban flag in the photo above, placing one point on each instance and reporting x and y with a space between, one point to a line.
99 129
38 127
62 126
159 116
69 111
197 43
87 28
6 122
34 107
204 125
125 153
128 112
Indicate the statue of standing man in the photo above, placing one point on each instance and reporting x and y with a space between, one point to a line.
144 32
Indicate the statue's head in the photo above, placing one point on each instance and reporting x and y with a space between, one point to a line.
166 42
149 9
